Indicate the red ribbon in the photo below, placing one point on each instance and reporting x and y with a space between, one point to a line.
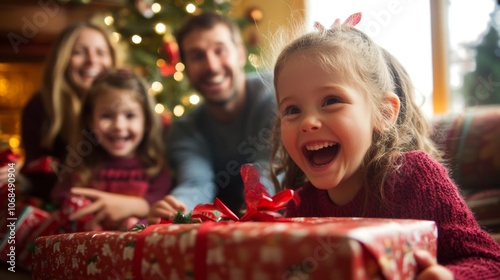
260 205
200 252
200 249
44 164
8 156
139 251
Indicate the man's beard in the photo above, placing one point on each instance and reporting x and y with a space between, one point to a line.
222 103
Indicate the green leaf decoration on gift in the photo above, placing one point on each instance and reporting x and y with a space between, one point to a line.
181 218
31 247
92 260
130 244
138 227
50 207
299 271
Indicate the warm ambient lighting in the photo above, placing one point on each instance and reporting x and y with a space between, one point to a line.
160 28
14 142
156 8
180 67
116 37
136 39
178 76
190 8
157 86
160 62
194 99
159 108
178 110
109 20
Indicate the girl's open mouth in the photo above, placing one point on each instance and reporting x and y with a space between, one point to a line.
320 154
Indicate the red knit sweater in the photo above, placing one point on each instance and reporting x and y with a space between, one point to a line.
121 176
421 190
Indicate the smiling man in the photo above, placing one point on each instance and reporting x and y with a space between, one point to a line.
207 147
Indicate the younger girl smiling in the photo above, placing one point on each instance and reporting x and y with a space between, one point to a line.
124 172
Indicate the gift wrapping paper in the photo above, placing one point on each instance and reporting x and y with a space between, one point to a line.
20 234
298 248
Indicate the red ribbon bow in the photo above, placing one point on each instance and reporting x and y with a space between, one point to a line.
352 20
45 164
8 156
260 205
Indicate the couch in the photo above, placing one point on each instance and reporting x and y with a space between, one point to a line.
471 144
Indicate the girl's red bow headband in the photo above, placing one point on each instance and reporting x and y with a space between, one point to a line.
352 20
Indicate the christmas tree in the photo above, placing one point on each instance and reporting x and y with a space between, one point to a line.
482 86
147 27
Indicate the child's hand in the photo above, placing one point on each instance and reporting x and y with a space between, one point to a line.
429 269
165 208
109 207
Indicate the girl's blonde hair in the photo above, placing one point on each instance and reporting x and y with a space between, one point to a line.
60 99
150 149
351 53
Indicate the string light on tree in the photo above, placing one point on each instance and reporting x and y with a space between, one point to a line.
136 39
159 108
156 8
160 28
116 37
157 86
194 99
178 110
190 8
109 20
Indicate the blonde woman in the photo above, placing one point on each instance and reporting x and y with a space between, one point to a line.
49 120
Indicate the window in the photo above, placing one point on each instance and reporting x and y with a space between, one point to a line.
468 23
403 27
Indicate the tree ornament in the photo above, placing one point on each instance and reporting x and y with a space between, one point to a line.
171 52
144 7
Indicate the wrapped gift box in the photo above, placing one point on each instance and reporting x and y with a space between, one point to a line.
20 232
300 248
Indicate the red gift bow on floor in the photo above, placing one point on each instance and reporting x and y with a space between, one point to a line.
260 205
45 164
8 156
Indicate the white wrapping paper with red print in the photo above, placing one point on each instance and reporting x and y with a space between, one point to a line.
300 248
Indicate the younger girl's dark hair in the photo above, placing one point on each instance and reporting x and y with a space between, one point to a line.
151 147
